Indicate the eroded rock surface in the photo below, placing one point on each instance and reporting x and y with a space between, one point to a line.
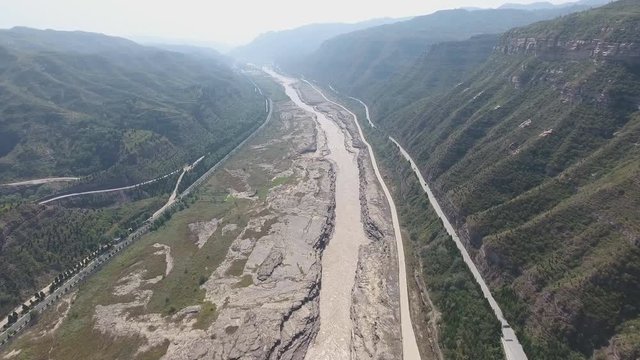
265 290
375 315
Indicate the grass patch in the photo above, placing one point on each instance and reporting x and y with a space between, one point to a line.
182 285
208 314
156 352
282 180
237 267
76 338
245 281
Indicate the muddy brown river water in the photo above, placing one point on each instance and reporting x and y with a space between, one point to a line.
340 258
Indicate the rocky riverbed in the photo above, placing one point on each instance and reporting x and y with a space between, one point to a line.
241 272
374 310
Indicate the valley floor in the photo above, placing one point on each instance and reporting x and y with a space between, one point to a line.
237 274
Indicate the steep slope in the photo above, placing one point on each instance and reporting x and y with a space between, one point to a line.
76 103
443 67
278 45
353 61
536 156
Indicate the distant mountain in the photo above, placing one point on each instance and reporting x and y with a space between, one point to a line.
220 47
547 5
23 39
535 154
272 46
532 6
199 51
355 61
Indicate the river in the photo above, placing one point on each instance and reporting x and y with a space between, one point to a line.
341 256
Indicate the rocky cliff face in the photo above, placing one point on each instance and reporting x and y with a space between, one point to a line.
555 49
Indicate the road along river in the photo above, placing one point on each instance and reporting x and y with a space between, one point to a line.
512 348
341 255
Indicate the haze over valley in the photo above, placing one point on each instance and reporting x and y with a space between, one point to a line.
345 180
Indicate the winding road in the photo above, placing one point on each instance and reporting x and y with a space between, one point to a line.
109 190
366 110
512 347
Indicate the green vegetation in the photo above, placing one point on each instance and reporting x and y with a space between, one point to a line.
362 63
87 104
181 288
146 259
114 113
467 327
536 161
39 242
264 190
206 316
177 290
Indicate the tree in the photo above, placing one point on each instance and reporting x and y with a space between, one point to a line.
13 317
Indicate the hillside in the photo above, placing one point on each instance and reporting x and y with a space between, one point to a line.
536 156
110 111
83 104
276 46
443 67
353 62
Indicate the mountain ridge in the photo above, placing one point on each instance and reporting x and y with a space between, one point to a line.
276 45
534 155
351 61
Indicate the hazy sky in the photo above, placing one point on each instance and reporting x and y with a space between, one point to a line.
229 21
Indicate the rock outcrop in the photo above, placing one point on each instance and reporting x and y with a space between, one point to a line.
554 49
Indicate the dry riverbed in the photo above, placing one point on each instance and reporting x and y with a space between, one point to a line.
293 222
359 302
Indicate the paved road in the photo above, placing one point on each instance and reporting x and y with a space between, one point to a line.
41 181
366 110
409 345
510 343
109 190
174 193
